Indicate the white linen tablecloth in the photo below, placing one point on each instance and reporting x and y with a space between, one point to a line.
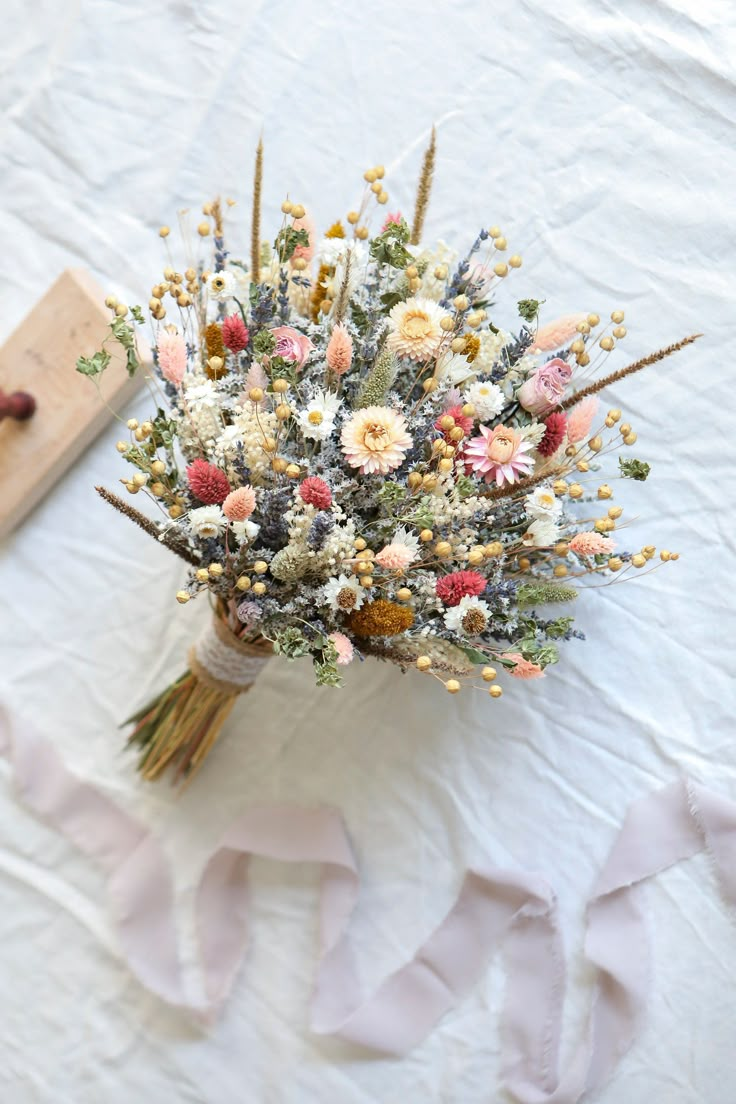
600 137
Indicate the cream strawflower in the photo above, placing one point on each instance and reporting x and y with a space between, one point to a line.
343 594
488 399
402 550
453 367
244 530
375 440
207 521
317 420
415 328
469 617
542 533
222 285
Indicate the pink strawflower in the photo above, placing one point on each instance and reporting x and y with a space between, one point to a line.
590 544
452 588
315 492
556 334
498 454
172 357
239 504
339 352
555 426
343 647
394 218
207 483
463 420
580 419
234 333
306 252
524 668
292 345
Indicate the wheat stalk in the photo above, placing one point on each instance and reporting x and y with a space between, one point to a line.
148 526
424 189
628 371
523 484
255 229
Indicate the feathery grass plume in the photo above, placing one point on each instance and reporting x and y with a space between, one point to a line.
343 295
255 228
377 382
424 189
533 594
148 526
628 371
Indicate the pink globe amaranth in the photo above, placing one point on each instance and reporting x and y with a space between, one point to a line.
555 427
544 388
239 504
524 668
234 333
315 492
452 588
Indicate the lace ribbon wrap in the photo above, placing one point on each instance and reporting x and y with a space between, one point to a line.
222 662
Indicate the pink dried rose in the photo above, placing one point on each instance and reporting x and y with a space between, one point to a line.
591 544
172 357
545 387
239 504
556 334
292 345
343 647
524 668
580 419
339 352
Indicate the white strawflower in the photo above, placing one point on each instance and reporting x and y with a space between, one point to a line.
542 533
488 399
543 503
207 521
469 617
244 530
343 594
317 420
453 368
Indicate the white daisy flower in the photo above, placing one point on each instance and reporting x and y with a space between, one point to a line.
222 285
207 521
317 420
343 594
543 503
488 399
469 617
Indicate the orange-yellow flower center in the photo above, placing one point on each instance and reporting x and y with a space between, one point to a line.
415 326
501 448
346 598
474 622
315 418
375 437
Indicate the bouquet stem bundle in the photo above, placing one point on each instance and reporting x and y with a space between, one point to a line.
178 729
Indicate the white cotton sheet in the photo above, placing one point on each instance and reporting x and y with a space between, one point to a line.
600 138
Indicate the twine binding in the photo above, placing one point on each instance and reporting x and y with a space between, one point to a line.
223 662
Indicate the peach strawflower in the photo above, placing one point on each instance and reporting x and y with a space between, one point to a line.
524 668
343 647
240 504
590 544
415 329
339 350
375 440
580 419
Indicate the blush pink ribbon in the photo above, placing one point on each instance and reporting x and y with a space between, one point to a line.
494 907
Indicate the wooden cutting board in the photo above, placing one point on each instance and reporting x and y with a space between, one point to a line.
40 356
